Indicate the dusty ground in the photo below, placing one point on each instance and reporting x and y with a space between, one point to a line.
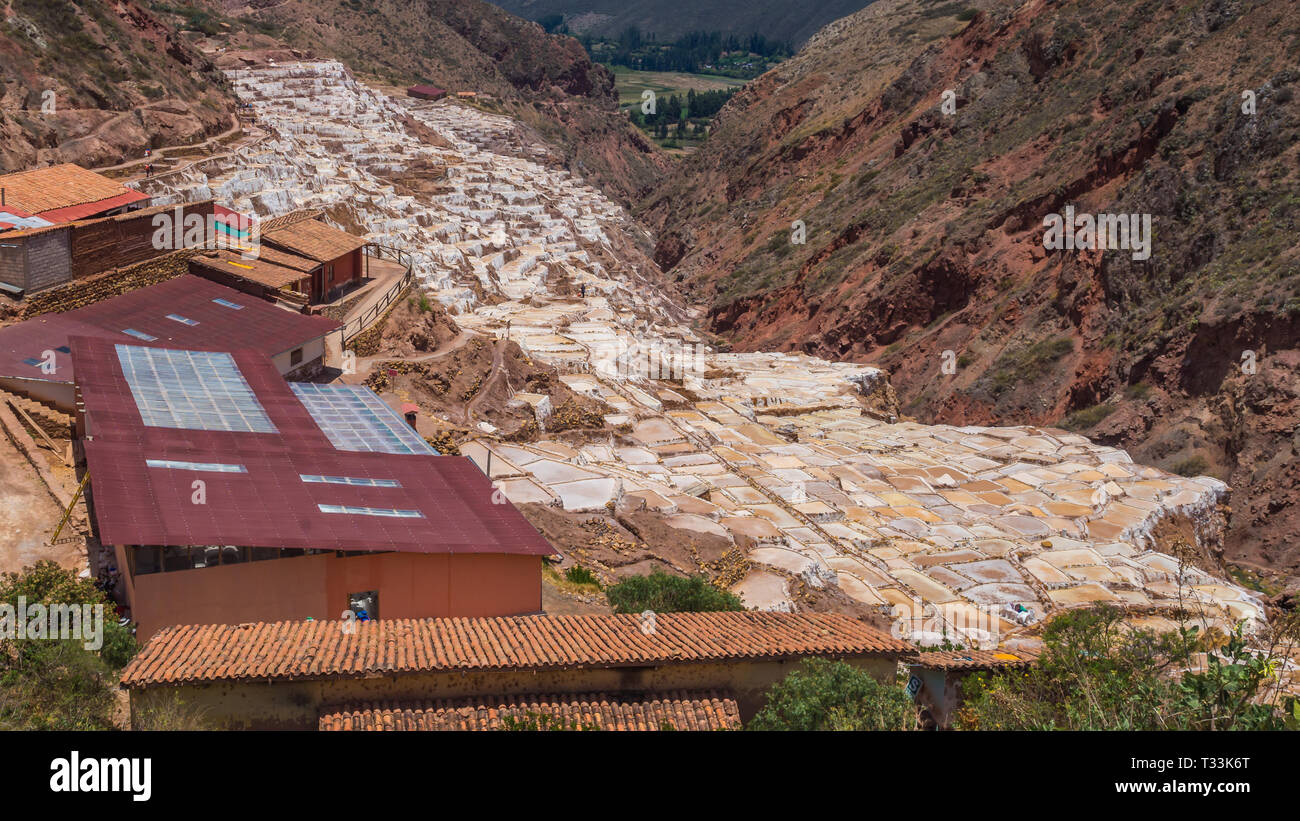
631 543
419 355
28 516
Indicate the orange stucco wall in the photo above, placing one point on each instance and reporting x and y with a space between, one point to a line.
410 585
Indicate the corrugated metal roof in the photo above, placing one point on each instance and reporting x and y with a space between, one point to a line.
294 650
676 710
259 325
269 504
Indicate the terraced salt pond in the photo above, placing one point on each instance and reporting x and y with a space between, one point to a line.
946 526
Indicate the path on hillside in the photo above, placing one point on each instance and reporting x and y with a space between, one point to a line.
498 364
367 363
160 153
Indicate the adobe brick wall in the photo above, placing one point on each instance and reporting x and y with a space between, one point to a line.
108 284
295 705
124 240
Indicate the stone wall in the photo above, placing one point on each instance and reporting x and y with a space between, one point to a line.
108 284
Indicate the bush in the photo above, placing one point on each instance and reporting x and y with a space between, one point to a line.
581 575
834 695
1192 466
1097 673
171 714
1087 417
1026 365
663 593
51 684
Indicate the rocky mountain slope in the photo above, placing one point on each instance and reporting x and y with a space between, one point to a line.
666 19
95 81
546 81
922 144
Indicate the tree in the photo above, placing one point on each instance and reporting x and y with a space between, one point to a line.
59 684
834 695
663 593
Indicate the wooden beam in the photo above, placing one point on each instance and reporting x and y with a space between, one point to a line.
39 430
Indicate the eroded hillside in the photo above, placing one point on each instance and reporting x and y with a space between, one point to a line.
545 81
925 226
93 82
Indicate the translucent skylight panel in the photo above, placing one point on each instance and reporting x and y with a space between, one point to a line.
348 480
139 335
206 467
192 390
184 320
228 304
354 418
372 511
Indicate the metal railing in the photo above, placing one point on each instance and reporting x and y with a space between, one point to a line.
358 324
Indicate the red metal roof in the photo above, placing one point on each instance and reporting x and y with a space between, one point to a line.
89 209
269 505
258 325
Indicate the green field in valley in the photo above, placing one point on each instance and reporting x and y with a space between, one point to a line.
631 84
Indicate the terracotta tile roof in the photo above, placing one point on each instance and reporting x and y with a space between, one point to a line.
313 239
72 213
606 711
59 186
320 649
973 659
266 269
271 223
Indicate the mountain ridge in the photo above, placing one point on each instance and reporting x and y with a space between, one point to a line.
667 19
925 252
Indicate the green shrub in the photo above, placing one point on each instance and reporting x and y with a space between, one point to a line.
581 575
1087 417
52 684
1140 390
834 695
1191 466
1098 673
1027 364
663 593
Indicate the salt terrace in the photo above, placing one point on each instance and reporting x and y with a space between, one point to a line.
772 451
